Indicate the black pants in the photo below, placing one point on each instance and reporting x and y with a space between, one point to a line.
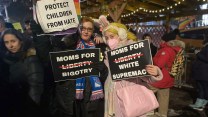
90 109
202 89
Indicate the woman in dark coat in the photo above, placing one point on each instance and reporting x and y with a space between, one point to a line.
200 75
25 75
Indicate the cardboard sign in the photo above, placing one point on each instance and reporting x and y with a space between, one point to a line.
68 65
130 61
58 15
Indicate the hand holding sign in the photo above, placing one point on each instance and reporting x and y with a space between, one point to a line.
152 70
36 28
100 66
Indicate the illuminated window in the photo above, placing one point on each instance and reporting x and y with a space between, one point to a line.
204 17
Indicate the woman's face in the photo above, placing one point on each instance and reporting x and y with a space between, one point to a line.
110 35
112 39
12 43
86 30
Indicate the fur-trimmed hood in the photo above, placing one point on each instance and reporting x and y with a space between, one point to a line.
31 52
11 58
176 43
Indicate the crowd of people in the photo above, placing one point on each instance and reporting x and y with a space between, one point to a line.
27 82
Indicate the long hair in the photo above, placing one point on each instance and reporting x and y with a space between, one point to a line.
26 43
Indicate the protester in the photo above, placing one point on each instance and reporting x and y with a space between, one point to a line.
116 36
200 75
152 46
66 104
86 38
25 75
164 59
4 77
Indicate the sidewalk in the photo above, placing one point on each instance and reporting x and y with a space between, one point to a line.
180 98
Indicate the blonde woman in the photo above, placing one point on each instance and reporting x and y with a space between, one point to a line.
116 35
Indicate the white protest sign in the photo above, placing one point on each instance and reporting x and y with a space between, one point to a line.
58 15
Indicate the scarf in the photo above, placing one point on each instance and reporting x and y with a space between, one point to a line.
82 44
97 89
80 85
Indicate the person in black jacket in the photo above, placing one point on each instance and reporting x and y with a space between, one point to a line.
4 80
152 46
64 99
200 75
25 75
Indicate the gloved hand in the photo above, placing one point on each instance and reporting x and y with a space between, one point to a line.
56 41
64 42
102 68
70 41
36 28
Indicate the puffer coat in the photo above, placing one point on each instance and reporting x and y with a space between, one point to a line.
26 83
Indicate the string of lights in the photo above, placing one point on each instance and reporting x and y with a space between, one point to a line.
156 11
163 10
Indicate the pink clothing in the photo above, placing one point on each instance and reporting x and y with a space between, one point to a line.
111 101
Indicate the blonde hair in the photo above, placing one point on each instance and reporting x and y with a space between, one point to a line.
113 28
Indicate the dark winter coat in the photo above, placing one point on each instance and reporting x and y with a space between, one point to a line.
26 83
200 65
3 67
153 49
65 103
4 88
4 70
85 107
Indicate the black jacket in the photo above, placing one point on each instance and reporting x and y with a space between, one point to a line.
153 49
4 89
26 83
65 104
200 65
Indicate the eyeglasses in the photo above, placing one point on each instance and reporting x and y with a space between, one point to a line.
86 29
